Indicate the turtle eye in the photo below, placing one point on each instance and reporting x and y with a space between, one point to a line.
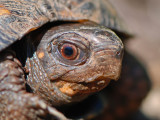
69 51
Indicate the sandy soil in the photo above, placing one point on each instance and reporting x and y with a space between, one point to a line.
143 18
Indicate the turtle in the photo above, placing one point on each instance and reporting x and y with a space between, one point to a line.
54 53
48 61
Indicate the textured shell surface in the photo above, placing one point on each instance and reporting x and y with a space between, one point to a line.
19 17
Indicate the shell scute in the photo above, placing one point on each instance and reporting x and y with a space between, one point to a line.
22 16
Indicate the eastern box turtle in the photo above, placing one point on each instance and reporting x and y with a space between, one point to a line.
55 53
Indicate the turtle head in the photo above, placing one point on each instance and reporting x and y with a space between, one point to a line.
73 61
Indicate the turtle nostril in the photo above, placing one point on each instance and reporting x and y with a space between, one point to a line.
119 54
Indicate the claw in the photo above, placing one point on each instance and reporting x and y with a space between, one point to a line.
56 113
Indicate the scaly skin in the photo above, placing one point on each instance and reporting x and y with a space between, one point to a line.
16 103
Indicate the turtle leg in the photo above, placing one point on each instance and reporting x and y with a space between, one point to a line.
15 102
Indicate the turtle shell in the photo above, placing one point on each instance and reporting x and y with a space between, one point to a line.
19 17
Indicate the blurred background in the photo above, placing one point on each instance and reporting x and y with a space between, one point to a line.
143 18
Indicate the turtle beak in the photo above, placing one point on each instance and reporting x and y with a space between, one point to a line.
109 61
106 60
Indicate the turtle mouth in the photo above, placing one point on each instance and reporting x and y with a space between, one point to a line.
72 92
80 88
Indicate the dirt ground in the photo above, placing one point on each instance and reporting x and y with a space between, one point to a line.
143 18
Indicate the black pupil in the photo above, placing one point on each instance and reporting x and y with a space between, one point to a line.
68 51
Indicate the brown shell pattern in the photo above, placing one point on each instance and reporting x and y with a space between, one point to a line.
19 17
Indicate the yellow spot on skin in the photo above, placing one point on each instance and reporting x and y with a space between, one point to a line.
4 11
67 90
41 55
